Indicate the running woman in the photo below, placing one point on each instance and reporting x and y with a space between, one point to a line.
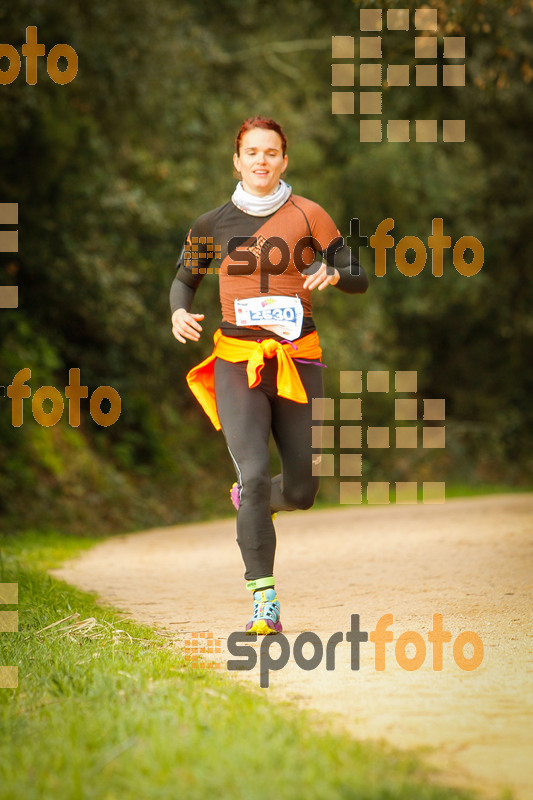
265 368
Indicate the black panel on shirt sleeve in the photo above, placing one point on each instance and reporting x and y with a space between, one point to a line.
181 295
353 278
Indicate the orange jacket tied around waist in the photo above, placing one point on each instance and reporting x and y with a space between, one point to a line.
201 379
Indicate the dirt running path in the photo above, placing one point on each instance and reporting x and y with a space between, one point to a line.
470 560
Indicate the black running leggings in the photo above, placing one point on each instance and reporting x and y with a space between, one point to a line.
247 416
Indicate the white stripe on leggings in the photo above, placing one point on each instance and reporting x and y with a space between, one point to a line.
239 473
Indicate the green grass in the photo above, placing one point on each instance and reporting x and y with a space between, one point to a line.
123 716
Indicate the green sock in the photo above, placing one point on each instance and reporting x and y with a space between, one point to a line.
261 583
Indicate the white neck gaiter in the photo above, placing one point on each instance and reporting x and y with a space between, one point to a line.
261 206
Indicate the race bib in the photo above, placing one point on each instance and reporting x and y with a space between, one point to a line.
281 315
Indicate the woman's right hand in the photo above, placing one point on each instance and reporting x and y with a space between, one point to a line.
185 325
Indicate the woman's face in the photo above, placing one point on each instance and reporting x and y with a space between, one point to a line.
260 161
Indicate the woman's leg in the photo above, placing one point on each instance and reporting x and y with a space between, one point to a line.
245 416
292 426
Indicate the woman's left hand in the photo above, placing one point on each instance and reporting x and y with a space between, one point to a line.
321 278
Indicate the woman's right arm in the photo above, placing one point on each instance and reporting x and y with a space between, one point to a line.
185 325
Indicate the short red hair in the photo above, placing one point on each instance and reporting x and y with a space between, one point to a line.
260 122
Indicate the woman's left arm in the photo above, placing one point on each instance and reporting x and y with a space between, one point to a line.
341 269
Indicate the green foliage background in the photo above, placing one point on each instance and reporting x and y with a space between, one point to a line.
110 170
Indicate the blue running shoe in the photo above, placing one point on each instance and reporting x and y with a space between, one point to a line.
266 612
